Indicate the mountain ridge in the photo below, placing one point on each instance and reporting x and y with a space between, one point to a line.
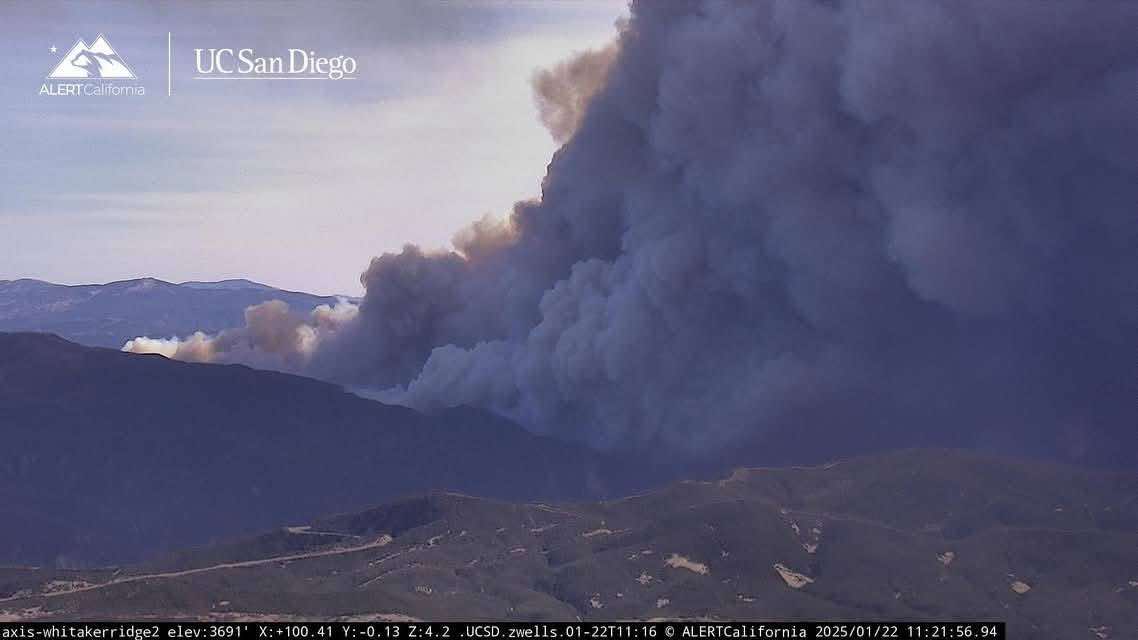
98 440
913 534
108 315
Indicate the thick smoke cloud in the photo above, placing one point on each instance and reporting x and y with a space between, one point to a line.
852 213
563 93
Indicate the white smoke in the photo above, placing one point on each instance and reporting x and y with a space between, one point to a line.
273 337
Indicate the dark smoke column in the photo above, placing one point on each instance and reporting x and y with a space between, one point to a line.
913 221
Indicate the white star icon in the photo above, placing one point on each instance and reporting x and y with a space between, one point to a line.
53 49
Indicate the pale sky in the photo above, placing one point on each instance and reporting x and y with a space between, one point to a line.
296 184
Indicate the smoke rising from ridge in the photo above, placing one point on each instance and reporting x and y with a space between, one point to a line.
864 213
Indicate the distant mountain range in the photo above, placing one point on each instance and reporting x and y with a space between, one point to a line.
107 315
916 534
110 457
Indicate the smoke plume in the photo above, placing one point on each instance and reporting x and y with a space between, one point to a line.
563 93
918 213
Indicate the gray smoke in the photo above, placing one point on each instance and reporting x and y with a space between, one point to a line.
855 212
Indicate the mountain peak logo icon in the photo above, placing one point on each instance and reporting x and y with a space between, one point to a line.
88 62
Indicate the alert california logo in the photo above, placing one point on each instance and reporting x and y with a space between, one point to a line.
91 70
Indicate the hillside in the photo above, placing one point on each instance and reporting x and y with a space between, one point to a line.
109 456
107 315
918 534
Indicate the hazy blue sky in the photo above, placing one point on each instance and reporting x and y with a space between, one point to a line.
297 184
